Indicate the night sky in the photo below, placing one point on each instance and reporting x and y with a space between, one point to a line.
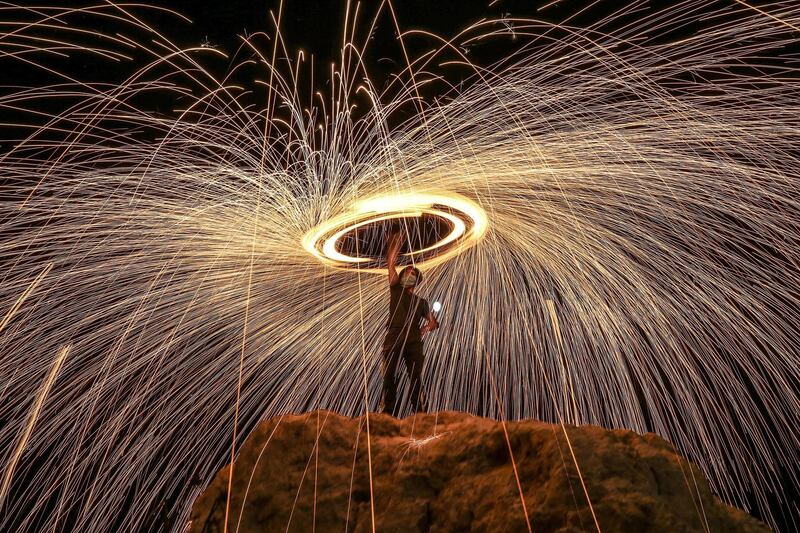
316 28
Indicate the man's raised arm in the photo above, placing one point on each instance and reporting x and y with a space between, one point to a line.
392 251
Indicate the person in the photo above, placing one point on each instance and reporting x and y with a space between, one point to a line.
403 333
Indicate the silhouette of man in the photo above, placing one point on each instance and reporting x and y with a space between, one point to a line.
404 334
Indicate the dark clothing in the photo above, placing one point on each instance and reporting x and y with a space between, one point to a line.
405 313
403 341
412 356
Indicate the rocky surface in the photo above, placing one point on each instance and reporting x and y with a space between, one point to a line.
453 472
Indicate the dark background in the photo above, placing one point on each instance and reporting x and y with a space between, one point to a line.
315 27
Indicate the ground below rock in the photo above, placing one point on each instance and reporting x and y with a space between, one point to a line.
453 472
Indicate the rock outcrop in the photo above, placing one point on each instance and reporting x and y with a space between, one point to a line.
453 472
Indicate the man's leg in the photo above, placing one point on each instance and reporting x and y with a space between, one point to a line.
414 359
391 356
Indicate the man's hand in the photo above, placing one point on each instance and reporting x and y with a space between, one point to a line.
392 251
394 243
430 325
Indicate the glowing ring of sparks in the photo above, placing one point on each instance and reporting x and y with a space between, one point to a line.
466 219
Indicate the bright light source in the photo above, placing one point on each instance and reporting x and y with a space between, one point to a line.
437 307
466 219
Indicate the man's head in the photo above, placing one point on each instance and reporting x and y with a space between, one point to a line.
410 277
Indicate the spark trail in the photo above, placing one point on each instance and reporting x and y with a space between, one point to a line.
641 188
